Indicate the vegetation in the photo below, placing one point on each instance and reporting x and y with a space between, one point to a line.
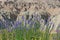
27 30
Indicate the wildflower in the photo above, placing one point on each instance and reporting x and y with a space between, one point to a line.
31 24
29 21
23 18
16 24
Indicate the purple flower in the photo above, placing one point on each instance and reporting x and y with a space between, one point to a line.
29 21
23 18
31 24
2 24
16 24
39 18
6 25
57 31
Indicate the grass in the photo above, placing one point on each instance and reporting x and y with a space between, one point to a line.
26 35
34 33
